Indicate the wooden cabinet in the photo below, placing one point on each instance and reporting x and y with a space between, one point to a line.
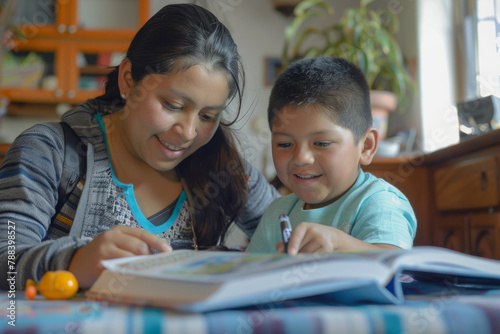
455 193
484 232
467 184
72 53
452 232
3 150
465 197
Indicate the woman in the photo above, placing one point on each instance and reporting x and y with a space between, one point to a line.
162 170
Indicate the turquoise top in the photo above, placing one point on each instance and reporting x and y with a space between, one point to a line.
128 191
372 210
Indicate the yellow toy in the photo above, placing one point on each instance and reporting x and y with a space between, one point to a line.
59 284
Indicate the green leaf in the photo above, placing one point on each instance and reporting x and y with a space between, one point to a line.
305 5
388 20
364 3
292 29
313 52
305 33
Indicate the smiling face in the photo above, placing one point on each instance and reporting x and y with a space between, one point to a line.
168 117
314 157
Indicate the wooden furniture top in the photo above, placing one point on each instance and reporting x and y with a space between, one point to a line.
486 141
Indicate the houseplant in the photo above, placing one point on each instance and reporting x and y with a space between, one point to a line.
363 36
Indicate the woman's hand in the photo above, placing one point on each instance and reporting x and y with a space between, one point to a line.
119 241
318 238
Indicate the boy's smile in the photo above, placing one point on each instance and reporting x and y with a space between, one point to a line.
314 157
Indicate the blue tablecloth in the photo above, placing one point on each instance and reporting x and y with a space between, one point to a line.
434 313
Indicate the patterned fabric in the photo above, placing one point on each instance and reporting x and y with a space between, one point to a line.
179 235
455 314
61 225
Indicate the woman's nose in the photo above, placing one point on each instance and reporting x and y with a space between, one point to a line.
186 128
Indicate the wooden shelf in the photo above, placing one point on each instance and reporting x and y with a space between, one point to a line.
94 70
66 41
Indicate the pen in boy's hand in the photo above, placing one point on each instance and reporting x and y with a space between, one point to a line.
286 230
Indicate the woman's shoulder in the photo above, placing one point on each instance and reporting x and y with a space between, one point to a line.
40 135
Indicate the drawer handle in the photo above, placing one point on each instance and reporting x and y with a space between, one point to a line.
484 181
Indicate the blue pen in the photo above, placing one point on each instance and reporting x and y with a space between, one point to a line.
286 230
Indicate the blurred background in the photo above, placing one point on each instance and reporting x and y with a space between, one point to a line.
55 55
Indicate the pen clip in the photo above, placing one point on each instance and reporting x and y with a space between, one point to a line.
286 230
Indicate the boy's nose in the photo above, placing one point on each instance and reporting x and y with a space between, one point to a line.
303 156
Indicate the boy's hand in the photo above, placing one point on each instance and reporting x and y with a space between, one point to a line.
119 241
310 238
318 238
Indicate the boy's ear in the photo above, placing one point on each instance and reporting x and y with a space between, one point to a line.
369 145
125 77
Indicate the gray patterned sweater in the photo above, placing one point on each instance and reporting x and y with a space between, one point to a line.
30 245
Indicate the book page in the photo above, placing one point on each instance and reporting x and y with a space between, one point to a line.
219 266
198 266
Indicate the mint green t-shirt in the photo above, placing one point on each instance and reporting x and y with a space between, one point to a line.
373 211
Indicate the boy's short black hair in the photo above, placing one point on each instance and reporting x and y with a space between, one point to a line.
332 82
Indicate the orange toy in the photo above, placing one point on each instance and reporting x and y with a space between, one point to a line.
59 284
30 292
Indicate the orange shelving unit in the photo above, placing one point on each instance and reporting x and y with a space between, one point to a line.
66 46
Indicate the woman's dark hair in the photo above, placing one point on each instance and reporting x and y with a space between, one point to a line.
174 39
334 83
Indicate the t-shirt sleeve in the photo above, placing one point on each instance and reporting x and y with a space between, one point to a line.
386 217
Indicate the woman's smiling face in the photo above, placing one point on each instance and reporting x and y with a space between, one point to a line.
168 117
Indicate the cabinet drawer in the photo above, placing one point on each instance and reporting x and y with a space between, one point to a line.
469 185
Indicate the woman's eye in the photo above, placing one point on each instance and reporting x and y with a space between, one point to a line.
171 106
208 117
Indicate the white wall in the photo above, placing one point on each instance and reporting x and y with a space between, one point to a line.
409 116
95 14
437 77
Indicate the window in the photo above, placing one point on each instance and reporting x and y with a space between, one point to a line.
482 53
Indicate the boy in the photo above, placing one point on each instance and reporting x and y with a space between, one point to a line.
320 118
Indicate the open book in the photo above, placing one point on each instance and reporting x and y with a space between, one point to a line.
199 281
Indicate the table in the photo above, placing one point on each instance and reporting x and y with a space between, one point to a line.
441 311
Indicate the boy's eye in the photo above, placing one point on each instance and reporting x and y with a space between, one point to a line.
283 145
323 143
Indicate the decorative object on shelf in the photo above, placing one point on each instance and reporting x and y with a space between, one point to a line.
24 72
383 103
9 33
272 69
363 36
478 116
